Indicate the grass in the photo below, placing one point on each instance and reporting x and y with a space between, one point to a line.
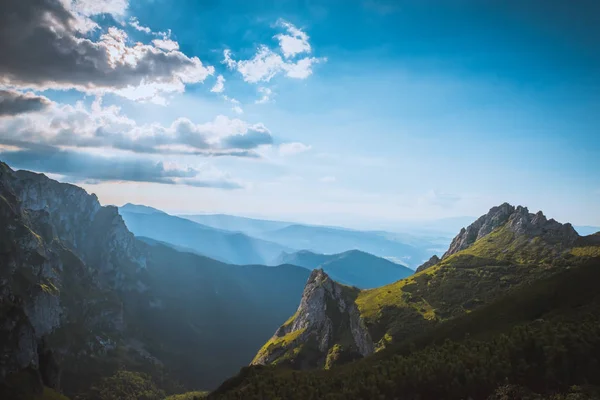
188 396
278 342
586 251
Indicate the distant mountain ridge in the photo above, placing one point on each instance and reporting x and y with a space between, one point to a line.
353 267
222 245
407 249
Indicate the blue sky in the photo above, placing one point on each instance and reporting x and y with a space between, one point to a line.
359 113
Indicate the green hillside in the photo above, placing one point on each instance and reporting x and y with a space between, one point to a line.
538 341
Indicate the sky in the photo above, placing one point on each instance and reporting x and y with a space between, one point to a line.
360 113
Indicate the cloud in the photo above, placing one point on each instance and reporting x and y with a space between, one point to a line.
96 7
219 85
327 179
266 95
166 44
295 42
92 168
13 102
106 127
267 63
133 21
293 148
43 46
237 109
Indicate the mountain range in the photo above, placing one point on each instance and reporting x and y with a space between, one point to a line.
510 310
403 248
81 298
226 246
502 251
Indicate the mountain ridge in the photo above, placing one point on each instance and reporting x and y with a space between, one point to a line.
351 267
506 248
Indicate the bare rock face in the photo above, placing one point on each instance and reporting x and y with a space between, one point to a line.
327 320
57 243
497 216
520 221
429 263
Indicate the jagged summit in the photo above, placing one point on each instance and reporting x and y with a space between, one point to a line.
429 263
519 221
326 328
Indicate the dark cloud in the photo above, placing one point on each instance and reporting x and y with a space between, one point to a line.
91 168
13 103
42 45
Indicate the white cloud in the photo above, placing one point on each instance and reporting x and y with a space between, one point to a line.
266 63
295 42
219 85
293 148
100 127
327 179
166 44
266 95
237 109
133 21
95 7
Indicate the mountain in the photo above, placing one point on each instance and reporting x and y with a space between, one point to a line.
536 342
140 209
354 267
505 249
429 263
226 246
403 248
82 301
249 226
327 240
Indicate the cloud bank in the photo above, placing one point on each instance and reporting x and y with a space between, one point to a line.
44 46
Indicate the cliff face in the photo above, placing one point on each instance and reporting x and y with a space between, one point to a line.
327 328
49 231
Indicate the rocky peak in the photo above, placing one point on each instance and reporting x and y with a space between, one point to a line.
429 263
326 317
96 234
497 216
519 220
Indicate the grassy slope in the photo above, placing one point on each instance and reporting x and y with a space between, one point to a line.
545 336
463 282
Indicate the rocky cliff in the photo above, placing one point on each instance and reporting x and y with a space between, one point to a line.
59 255
326 329
429 263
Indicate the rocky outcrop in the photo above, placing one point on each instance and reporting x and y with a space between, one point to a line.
327 327
520 221
429 263
57 243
